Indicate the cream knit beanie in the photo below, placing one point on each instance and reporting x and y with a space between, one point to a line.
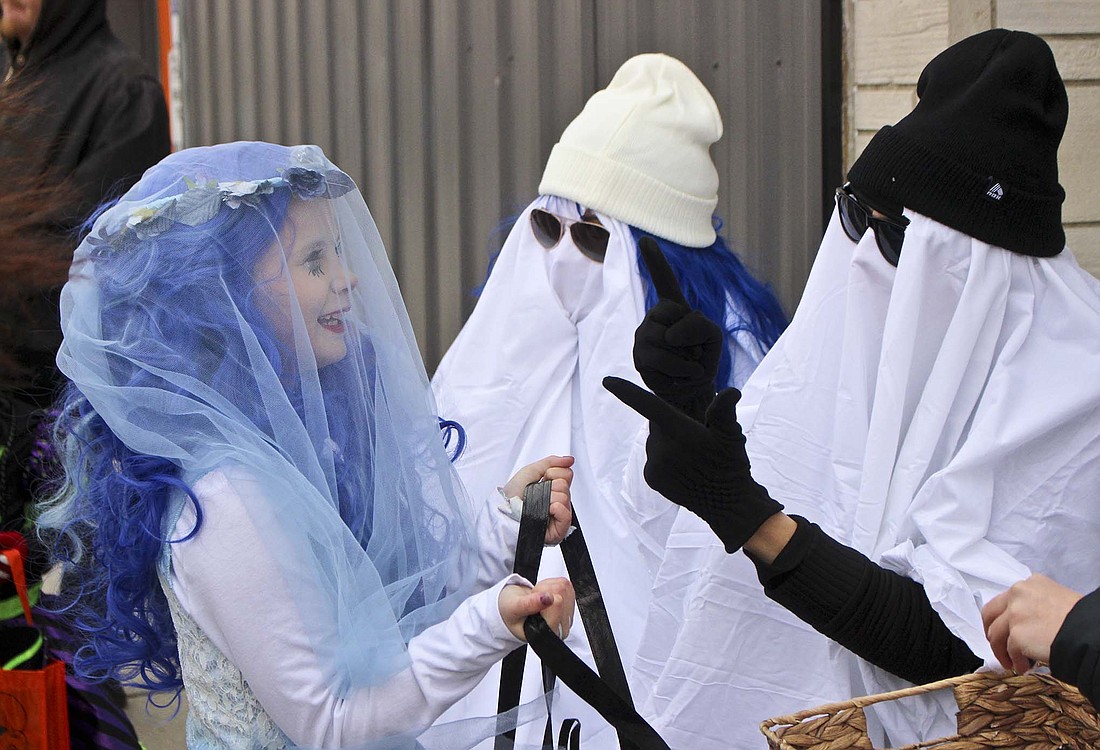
639 152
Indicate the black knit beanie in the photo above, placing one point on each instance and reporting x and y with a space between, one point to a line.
979 153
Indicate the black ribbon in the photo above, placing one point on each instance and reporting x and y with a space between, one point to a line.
607 691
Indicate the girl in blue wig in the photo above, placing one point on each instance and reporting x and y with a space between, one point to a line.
257 504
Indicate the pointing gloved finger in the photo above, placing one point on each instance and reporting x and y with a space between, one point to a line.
664 280
652 407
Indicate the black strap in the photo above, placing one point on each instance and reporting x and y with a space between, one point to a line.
608 692
532 536
597 625
634 732
569 738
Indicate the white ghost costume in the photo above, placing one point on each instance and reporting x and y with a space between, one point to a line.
523 378
941 417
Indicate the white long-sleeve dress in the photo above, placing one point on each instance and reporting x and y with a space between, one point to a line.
250 671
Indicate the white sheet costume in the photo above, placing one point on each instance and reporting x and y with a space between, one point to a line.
524 374
941 418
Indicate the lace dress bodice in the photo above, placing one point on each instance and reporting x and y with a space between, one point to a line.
223 712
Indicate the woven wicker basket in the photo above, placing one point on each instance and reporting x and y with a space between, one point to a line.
1029 712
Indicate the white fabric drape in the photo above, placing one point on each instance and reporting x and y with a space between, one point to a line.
943 418
524 379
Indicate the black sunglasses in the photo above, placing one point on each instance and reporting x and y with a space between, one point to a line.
590 237
857 218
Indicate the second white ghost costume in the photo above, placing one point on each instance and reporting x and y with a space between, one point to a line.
941 416
937 417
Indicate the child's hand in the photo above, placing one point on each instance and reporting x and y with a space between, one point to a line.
552 597
553 469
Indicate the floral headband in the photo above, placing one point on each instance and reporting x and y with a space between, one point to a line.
202 201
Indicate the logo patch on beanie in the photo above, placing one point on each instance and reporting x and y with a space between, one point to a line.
994 191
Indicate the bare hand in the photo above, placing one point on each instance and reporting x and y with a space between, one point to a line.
553 469
1021 623
552 597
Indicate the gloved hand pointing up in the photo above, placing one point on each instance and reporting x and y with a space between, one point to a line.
676 348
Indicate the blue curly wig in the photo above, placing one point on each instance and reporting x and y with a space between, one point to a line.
711 278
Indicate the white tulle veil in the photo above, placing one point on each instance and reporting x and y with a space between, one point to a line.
190 334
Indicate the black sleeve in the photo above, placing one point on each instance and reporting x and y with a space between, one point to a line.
882 617
1075 653
130 139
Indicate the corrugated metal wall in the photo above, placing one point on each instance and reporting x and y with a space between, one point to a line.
444 112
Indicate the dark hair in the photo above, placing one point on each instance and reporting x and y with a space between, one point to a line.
34 262
34 254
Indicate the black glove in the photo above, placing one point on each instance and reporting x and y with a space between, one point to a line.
701 466
676 348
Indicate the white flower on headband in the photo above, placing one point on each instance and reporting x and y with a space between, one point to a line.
143 214
233 194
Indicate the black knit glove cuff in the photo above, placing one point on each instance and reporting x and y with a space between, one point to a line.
734 519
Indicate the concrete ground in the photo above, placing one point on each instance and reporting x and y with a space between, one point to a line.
155 727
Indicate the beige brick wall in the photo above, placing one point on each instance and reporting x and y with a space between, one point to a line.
888 43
